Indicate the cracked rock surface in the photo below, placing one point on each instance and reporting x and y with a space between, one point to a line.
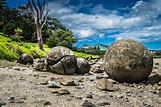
61 60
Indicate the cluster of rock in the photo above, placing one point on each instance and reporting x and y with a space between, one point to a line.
124 61
60 60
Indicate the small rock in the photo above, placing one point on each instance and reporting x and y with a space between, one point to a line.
54 91
87 104
155 67
89 95
21 78
99 76
81 80
86 74
46 103
156 63
104 84
18 102
2 103
103 104
43 82
53 83
159 83
63 92
67 81
79 87
40 64
153 79
97 68
160 93
79 97
112 81
17 69
11 100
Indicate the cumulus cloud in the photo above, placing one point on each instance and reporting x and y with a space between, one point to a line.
141 23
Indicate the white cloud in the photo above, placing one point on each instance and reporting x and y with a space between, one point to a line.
141 23
143 35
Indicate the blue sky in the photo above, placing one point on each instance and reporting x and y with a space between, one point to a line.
105 21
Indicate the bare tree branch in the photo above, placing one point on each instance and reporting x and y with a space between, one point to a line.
45 19
31 8
37 12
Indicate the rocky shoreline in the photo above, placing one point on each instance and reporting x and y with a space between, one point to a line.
22 86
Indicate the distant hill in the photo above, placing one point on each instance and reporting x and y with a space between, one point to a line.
102 47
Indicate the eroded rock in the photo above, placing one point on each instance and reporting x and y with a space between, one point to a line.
104 84
128 61
61 60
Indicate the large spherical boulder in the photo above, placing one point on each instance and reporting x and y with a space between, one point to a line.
128 61
61 60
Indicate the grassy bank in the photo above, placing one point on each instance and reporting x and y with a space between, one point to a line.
10 50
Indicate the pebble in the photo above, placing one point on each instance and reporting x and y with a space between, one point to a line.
103 103
43 82
2 103
46 103
79 97
63 92
11 100
87 104
19 102
105 85
17 69
53 83
89 95
79 87
160 93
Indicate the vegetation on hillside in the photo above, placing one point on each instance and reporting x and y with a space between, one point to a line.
18 24
10 50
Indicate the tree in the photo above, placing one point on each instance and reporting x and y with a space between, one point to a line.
54 24
61 38
37 12
3 7
17 34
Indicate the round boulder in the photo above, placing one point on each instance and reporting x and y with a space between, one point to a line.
128 61
25 59
82 66
61 60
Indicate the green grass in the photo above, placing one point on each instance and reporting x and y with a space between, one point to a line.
10 50
83 55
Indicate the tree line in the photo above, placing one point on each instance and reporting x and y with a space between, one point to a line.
19 24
